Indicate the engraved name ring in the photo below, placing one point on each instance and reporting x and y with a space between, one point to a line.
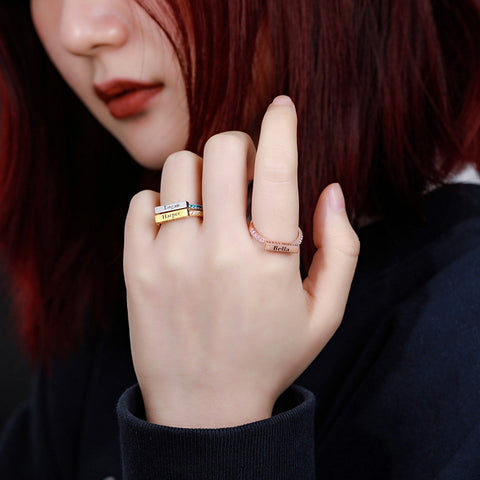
175 211
278 247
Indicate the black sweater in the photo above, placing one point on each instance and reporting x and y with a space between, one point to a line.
394 395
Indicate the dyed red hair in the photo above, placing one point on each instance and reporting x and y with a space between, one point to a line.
387 94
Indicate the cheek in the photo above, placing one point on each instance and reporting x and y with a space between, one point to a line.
74 70
149 138
46 16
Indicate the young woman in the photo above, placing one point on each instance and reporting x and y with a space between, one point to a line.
243 358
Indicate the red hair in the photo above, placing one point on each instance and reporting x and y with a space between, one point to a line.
387 94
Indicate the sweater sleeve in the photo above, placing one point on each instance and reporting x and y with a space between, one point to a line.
281 447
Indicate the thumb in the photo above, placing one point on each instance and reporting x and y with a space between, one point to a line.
333 266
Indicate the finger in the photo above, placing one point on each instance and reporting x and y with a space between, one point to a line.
225 182
275 188
140 228
333 265
181 181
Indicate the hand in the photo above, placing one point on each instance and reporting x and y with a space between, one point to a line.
219 327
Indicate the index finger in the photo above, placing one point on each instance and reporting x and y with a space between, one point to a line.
275 185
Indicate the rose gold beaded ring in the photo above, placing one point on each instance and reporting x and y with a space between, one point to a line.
277 247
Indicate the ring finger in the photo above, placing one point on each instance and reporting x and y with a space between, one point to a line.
181 181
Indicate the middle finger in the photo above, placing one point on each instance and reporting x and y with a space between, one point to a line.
225 167
275 186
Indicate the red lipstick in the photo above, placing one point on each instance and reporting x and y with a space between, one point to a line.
125 98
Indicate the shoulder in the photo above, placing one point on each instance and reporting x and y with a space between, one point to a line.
401 257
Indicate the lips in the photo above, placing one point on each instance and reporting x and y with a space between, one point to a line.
125 98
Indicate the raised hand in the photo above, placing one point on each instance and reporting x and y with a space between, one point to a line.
219 327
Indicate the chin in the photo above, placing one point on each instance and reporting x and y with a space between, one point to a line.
151 153
150 138
151 160
150 157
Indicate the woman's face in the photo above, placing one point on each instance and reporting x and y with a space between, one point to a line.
123 68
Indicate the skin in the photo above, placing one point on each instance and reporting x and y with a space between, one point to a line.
92 41
219 327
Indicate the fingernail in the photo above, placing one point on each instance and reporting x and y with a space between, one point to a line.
283 100
336 198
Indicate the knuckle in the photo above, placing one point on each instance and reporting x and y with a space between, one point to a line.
138 275
174 260
222 262
227 141
223 256
179 160
141 198
140 202
279 165
274 271
348 244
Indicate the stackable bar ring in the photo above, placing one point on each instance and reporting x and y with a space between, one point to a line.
176 206
175 211
278 247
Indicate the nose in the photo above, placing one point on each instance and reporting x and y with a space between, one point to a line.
89 25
